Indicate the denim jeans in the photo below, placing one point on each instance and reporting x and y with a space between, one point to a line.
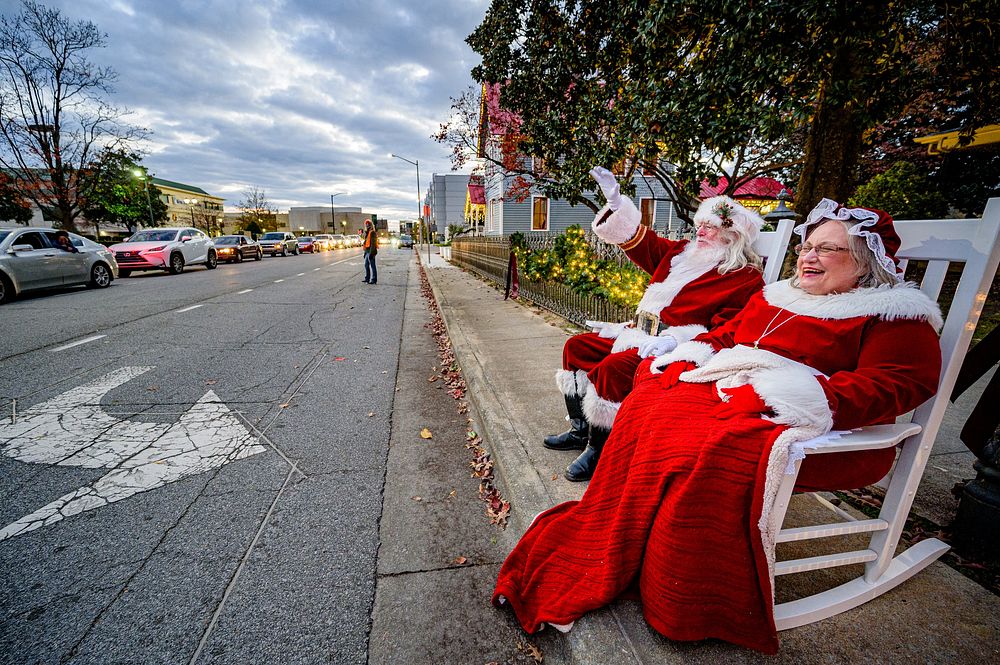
371 272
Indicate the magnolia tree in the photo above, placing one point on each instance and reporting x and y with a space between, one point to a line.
757 87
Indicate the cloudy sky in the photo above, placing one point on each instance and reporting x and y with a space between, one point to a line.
305 98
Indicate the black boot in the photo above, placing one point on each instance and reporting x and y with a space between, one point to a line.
583 467
576 437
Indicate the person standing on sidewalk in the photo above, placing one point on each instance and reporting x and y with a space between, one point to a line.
371 249
695 286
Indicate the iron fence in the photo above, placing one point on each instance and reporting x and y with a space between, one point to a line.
488 257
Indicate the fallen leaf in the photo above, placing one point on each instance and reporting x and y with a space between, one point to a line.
416 498
152 389
212 382
531 650
433 379
371 413
366 347
426 434
460 560
339 358
452 494
555 476
285 406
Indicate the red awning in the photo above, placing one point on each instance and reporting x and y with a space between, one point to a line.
758 188
477 194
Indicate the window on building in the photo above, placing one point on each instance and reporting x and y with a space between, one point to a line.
539 213
648 209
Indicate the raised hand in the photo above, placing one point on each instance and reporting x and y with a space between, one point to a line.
609 185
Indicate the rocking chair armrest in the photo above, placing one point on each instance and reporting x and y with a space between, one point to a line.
872 437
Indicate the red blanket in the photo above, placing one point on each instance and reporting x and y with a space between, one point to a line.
674 507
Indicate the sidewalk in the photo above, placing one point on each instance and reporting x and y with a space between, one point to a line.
509 352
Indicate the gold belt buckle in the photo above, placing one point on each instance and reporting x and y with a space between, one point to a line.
647 323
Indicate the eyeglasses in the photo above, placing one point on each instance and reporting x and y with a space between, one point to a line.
824 249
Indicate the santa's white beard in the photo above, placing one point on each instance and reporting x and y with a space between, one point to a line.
687 266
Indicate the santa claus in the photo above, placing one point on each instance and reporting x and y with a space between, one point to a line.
695 285
679 509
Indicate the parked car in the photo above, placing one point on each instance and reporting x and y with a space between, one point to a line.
324 242
279 242
306 244
35 258
169 249
405 240
236 248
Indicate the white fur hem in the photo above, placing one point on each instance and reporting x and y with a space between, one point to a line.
599 411
620 226
572 383
900 301
684 333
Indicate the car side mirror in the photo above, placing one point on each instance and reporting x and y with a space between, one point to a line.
20 248
185 238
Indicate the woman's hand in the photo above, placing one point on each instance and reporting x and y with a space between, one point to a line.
609 186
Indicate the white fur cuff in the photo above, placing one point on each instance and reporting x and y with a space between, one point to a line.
620 226
599 411
795 395
630 338
694 352
572 383
684 333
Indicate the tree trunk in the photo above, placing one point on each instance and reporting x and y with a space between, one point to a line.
833 146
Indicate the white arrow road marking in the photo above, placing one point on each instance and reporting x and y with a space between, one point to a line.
72 430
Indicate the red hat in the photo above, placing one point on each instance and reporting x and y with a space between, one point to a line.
875 226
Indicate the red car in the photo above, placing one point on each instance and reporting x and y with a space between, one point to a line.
306 244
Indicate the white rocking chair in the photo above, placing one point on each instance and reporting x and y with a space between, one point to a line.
772 246
977 244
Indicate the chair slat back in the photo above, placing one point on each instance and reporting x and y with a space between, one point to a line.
772 246
973 242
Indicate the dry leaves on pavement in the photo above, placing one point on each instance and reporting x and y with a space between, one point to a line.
426 434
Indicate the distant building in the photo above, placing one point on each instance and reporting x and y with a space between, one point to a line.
321 219
191 205
445 200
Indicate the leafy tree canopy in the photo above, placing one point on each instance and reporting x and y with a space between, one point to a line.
113 189
13 206
596 82
903 192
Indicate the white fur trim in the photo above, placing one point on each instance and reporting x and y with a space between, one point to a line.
630 338
685 333
572 383
795 396
598 411
890 302
620 226
685 267
695 352
745 221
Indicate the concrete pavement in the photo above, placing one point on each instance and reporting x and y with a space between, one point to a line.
508 353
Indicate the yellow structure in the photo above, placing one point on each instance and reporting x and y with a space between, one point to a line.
947 141
188 205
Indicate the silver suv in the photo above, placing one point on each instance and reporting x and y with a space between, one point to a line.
165 249
278 242
38 258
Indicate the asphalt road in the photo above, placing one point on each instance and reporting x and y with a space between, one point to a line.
264 551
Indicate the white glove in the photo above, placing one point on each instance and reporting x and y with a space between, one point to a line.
608 330
609 185
657 346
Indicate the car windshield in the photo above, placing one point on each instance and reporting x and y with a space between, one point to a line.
154 236
226 240
305 239
405 237
4 234
273 236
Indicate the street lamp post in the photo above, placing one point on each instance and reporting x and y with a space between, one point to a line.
149 202
333 211
191 203
419 215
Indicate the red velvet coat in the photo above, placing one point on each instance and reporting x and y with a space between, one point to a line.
678 507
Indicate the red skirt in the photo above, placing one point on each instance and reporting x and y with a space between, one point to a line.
673 510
